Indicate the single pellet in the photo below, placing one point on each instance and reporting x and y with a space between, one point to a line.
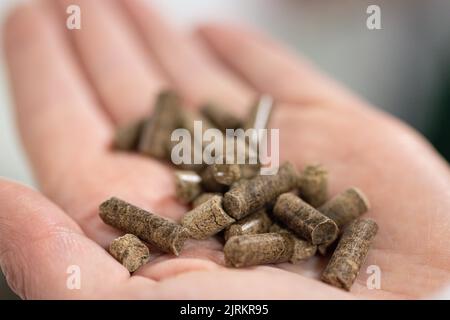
155 138
165 235
207 219
257 222
127 137
302 249
256 249
304 220
220 117
350 254
204 197
217 176
260 112
346 207
252 195
188 185
129 251
313 185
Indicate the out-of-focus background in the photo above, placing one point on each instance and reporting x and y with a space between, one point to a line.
404 68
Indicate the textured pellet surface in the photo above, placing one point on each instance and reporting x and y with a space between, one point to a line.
129 251
302 249
245 198
304 220
155 137
313 185
257 249
345 207
202 198
350 254
207 219
162 233
187 185
257 222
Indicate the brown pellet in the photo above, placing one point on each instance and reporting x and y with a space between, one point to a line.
160 232
188 185
252 195
204 197
304 220
302 249
155 138
207 219
127 137
217 177
129 251
257 222
220 117
313 185
350 254
260 112
346 207
256 249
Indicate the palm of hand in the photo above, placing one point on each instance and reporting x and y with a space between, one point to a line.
404 179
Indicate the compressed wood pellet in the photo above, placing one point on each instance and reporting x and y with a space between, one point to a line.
304 220
343 209
204 197
187 185
257 222
255 193
165 235
155 138
350 254
129 251
207 219
257 249
127 137
259 114
220 117
346 207
302 249
217 177
313 185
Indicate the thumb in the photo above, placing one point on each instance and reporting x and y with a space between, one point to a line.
44 254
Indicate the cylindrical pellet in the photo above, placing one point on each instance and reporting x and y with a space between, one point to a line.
256 249
155 138
202 198
129 251
220 117
313 185
350 254
207 219
162 233
252 195
346 207
187 185
304 220
257 222
302 249
260 112
127 137
217 177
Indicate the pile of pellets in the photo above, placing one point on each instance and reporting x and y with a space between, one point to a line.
262 219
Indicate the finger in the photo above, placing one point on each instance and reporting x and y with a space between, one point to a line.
192 69
125 78
56 111
44 254
271 68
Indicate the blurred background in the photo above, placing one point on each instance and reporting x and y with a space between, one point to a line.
404 68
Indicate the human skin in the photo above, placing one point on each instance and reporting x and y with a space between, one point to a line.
72 88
